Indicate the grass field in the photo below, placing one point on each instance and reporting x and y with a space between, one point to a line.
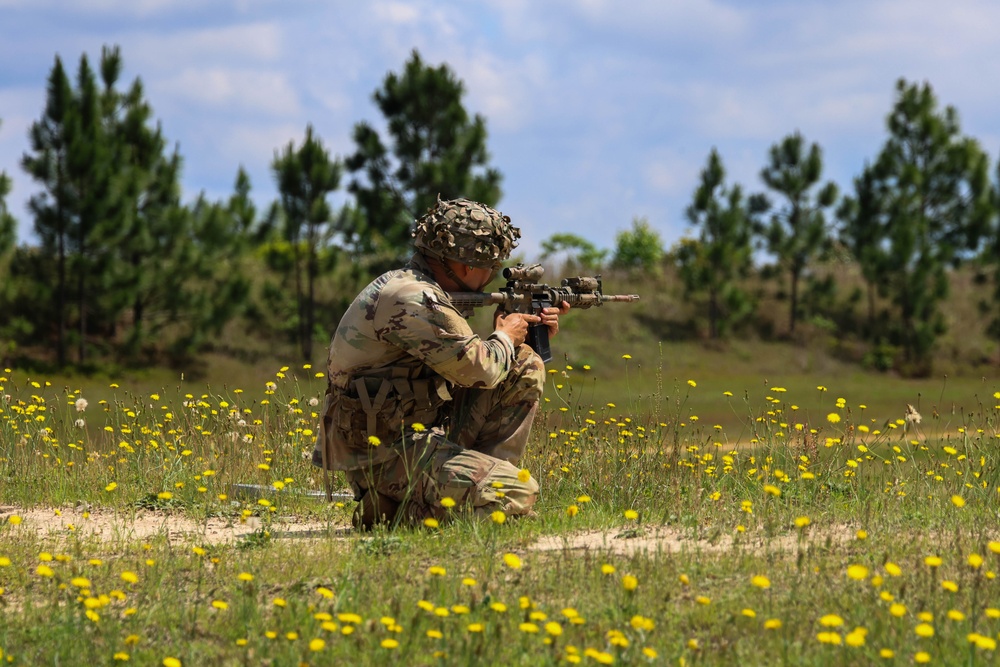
800 520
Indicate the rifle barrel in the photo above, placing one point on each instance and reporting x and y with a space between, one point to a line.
588 299
585 300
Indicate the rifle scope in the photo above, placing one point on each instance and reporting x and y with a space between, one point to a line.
530 274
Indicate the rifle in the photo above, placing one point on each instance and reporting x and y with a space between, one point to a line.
524 294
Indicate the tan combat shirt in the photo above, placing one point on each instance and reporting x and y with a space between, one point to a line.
404 320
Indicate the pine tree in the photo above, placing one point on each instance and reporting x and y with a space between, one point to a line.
862 232
935 195
241 206
90 165
55 208
73 160
797 232
433 149
145 228
8 225
8 237
990 305
722 254
110 215
305 178
216 287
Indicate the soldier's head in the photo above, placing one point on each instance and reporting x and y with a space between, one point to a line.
466 232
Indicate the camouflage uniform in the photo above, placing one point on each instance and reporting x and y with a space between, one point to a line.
402 356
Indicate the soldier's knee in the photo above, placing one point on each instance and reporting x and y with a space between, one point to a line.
521 498
513 493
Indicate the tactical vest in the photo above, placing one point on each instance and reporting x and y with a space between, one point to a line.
383 403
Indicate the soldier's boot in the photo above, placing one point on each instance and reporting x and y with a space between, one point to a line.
373 509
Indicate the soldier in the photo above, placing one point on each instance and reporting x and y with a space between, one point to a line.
418 407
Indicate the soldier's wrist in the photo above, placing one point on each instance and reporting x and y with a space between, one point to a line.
506 340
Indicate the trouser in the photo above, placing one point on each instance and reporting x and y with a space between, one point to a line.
473 459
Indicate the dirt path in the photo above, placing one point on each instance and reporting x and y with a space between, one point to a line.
142 525
665 539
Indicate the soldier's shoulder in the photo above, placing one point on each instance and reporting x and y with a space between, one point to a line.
411 286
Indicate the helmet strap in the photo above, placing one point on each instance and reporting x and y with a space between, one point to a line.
450 272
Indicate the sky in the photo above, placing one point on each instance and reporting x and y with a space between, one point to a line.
598 111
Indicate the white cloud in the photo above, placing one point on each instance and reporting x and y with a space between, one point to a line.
140 8
117 8
522 22
399 13
246 143
598 110
731 111
669 173
399 26
164 51
504 91
245 91
253 146
331 100
697 19
849 111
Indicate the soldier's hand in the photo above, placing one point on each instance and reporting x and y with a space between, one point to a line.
550 317
497 316
515 325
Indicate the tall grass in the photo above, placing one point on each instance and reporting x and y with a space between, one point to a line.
812 528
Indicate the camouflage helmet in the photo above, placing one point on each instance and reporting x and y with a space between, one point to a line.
467 232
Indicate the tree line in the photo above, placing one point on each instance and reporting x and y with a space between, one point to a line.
125 270
923 206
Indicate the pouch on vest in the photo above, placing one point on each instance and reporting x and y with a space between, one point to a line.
385 407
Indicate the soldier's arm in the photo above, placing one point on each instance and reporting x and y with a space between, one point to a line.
427 326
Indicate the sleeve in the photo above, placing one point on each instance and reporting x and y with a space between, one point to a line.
422 321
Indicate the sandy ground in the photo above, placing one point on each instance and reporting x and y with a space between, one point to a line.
664 539
141 525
